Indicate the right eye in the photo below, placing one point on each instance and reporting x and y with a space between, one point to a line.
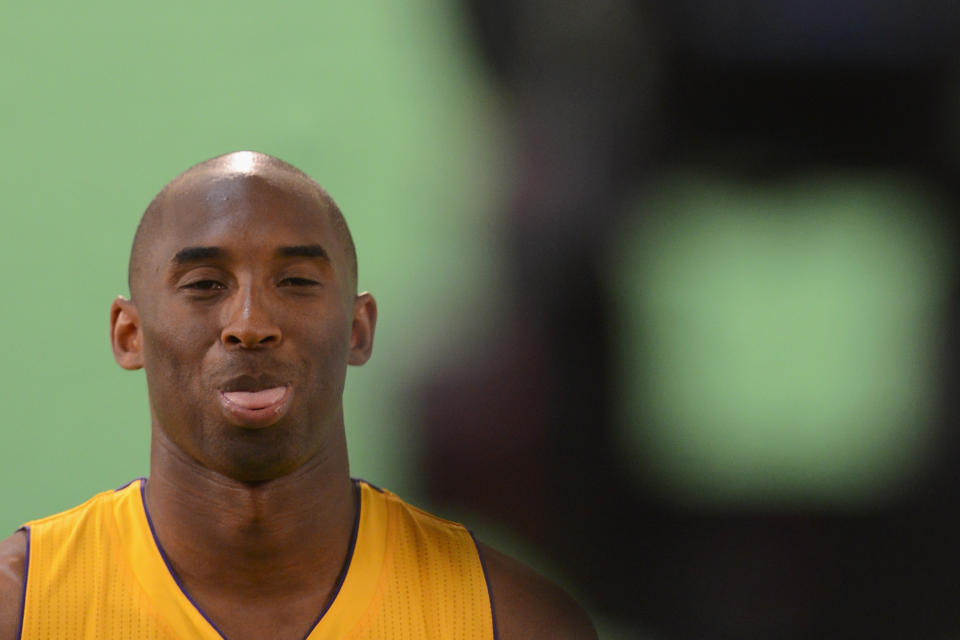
203 285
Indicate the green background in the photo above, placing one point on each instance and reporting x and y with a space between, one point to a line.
824 313
103 103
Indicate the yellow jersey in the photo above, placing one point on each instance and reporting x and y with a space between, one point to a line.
97 571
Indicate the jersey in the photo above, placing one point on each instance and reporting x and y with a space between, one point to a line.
98 571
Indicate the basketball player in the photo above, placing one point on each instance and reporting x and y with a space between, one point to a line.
244 314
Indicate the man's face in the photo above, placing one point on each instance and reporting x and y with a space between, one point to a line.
246 309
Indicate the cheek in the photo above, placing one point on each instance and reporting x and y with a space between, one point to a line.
326 362
171 361
323 356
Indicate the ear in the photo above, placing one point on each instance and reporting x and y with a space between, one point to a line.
125 336
364 323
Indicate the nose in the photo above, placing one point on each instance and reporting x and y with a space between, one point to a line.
249 323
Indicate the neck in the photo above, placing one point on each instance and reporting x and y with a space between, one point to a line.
241 540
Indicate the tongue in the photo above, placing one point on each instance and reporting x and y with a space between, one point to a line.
255 399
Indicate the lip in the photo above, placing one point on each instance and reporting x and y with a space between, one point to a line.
252 382
260 416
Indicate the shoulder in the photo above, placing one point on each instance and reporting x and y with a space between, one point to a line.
13 558
525 604
529 606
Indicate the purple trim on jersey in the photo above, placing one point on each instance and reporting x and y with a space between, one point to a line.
346 565
26 576
156 542
128 484
369 484
486 578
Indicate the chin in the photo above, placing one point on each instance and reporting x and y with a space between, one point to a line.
255 456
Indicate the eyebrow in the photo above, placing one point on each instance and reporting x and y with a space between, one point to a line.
194 254
197 254
304 251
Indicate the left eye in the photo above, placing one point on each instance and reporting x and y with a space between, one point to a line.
298 282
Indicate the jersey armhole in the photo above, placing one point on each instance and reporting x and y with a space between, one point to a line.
26 577
486 579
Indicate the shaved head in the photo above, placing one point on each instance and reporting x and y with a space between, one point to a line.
237 167
244 315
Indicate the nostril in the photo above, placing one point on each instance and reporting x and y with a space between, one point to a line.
249 340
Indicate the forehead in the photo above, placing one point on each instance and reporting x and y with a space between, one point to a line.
251 211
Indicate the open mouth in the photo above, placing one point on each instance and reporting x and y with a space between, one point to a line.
255 399
254 403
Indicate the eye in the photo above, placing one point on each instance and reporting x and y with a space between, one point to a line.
203 285
298 282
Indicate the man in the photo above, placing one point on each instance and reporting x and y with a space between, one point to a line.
244 314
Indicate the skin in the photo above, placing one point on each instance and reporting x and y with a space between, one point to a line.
266 498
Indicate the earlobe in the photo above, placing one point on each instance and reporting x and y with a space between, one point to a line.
364 324
125 336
